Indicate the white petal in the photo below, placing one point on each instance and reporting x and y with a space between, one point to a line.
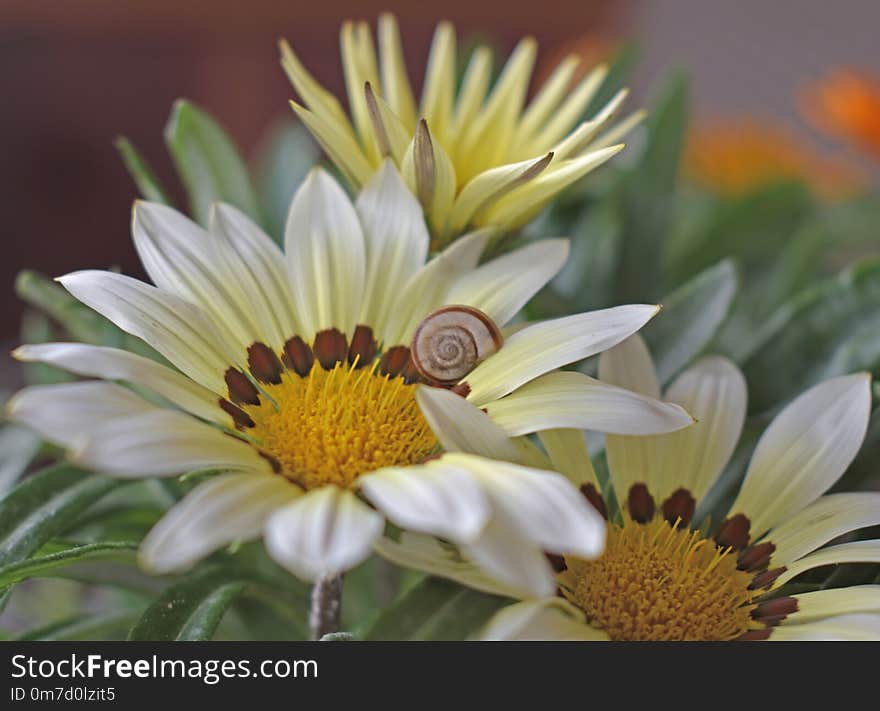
396 243
855 552
257 267
568 452
543 506
824 520
176 328
227 508
436 498
503 286
183 259
163 443
842 628
323 533
325 256
461 427
428 555
714 392
829 603
805 450
509 557
574 400
117 364
426 290
629 365
66 413
542 347
550 619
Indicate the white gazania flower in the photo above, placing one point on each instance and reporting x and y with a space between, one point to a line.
294 379
476 155
661 579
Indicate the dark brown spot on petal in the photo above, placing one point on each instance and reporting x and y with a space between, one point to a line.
462 389
410 372
298 356
640 503
755 558
772 612
363 346
680 505
241 390
734 533
394 360
239 416
754 636
591 493
330 348
274 463
766 579
557 562
264 364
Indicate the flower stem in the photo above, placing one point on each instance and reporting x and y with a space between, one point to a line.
326 606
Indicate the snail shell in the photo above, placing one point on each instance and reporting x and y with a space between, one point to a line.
450 342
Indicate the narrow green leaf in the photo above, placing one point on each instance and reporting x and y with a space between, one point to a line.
48 564
619 69
208 162
691 316
435 609
647 195
148 184
90 627
827 330
44 505
191 609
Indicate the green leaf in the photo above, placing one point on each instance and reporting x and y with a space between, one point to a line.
285 159
647 193
691 316
191 609
37 328
148 184
89 627
44 505
827 330
208 163
434 610
752 228
41 565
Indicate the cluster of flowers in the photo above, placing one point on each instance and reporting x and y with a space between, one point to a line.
365 390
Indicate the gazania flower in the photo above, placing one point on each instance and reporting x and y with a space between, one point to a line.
474 155
661 578
846 104
295 383
737 155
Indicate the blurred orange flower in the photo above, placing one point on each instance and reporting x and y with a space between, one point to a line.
846 104
735 155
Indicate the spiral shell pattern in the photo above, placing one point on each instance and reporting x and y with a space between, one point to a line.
450 342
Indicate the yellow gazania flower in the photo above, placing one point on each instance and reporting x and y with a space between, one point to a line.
736 155
846 104
293 378
473 156
661 579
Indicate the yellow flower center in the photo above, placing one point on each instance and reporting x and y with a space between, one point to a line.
334 425
661 582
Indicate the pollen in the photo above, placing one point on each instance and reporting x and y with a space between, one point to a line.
331 426
657 581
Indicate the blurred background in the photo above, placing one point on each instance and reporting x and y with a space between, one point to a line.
76 74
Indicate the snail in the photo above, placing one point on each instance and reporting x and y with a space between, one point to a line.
450 342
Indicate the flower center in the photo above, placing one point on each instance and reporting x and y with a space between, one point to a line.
657 581
328 412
